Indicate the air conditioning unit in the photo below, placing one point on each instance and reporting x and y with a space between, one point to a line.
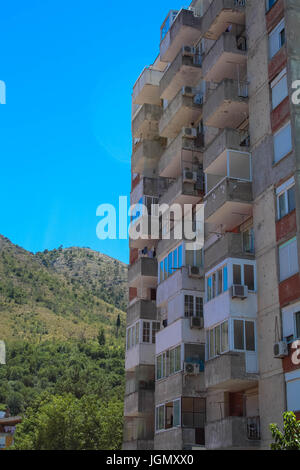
190 132
189 176
197 323
188 50
195 271
188 91
191 369
281 350
239 292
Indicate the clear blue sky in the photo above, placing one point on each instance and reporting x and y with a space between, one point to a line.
69 68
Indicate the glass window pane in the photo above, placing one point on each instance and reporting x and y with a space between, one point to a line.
249 276
199 258
155 329
188 306
211 344
239 335
214 285
224 337
161 271
175 259
158 367
237 278
178 359
218 339
199 307
282 206
189 258
220 282
291 199
146 332
209 289
172 361
250 338
283 142
225 278
176 413
170 264
166 268
180 256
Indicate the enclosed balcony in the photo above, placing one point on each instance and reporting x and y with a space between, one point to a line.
138 433
226 59
184 110
229 203
144 271
225 140
182 28
220 15
184 70
141 309
233 372
148 188
139 402
187 146
180 280
146 155
227 105
230 245
233 433
146 88
145 122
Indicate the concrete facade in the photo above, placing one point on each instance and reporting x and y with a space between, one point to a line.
203 323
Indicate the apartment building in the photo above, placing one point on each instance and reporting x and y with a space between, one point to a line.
211 332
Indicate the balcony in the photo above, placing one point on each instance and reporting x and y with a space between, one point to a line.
138 433
233 433
225 140
144 272
141 354
146 88
141 309
139 402
220 15
225 59
181 148
186 29
232 372
227 105
145 122
184 192
146 155
177 333
184 70
229 203
183 110
179 281
231 245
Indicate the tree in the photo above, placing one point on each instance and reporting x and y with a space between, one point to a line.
118 324
101 337
289 438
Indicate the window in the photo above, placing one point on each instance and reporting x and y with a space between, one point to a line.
249 276
237 274
286 202
248 241
279 89
175 360
188 306
194 258
217 340
288 259
276 39
217 283
170 264
244 335
270 3
176 413
160 418
293 391
282 142
146 332
199 307
155 329
193 412
297 319
159 374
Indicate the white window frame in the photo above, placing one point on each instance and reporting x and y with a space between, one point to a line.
275 33
283 189
281 76
291 272
288 124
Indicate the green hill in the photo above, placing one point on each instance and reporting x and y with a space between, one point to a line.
58 317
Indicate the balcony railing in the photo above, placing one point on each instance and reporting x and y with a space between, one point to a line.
227 105
146 155
145 122
185 108
184 65
229 433
226 139
231 245
220 14
186 29
226 59
146 88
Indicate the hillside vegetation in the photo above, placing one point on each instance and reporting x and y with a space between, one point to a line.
62 319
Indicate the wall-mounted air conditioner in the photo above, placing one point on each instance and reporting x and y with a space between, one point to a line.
281 350
191 369
196 323
190 132
239 292
195 271
189 176
188 50
188 91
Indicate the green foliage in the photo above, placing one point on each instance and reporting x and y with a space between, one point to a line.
289 439
101 337
68 423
